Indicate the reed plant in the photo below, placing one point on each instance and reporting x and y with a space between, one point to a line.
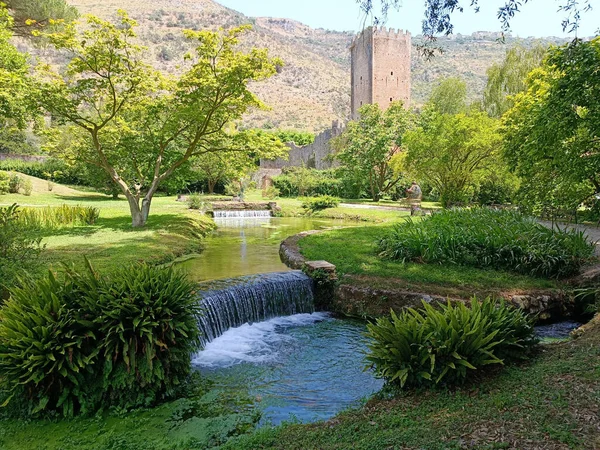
52 217
487 238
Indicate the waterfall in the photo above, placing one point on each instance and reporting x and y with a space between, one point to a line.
232 303
243 214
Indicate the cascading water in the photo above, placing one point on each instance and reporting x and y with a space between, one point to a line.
241 214
232 303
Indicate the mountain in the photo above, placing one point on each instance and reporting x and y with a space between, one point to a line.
313 87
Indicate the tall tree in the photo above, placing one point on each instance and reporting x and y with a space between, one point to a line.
14 89
369 145
140 127
34 15
453 152
552 133
510 77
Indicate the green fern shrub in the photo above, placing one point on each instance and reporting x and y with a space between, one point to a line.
194 201
313 204
444 345
83 341
487 238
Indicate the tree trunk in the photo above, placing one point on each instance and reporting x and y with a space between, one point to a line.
137 219
211 186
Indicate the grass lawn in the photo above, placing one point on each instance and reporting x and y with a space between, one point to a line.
549 403
172 230
353 251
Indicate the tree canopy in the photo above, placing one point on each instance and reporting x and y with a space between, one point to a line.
449 96
369 145
510 77
137 125
552 133
13 71
453 152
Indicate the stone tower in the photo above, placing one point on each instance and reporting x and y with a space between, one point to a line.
380 68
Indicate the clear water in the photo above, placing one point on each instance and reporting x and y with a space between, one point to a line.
304 367
248 246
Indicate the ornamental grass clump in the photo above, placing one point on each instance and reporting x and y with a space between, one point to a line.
52 217
82 341
487 238
446 345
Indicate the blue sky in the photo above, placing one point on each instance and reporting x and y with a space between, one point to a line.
539 18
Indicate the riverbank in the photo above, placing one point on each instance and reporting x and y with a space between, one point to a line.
172 230
549 403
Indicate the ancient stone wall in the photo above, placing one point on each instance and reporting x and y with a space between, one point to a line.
26 158
313 156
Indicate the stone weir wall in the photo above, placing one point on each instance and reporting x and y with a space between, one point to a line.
363 300
313 156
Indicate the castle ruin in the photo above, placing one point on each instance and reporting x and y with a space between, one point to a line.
380 74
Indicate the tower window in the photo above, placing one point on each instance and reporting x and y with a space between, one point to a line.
392 73
391 99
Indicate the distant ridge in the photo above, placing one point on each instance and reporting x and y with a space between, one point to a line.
314 86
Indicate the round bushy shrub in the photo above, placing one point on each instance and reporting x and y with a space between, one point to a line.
444 345
83 341
319 203
4 178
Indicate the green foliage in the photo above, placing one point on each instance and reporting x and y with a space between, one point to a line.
19 251
498 239
52 217
139 126
32 15
466 151
49 169
27 186
300 181
510 77
497 188
300 138
4 180
271 193
368 147
552 133
314 204
14 183
449 96
83 341
194 201
443 346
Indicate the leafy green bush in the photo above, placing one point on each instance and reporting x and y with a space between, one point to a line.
444 345
14 183
49 169
57 216
83 341
194 201
318 203
19 251
4 183
271 193
481 237
27 187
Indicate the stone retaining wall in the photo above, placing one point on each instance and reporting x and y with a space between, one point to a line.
364 301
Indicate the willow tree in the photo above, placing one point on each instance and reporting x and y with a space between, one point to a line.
136 125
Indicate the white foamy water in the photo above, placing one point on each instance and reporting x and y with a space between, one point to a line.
253 343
